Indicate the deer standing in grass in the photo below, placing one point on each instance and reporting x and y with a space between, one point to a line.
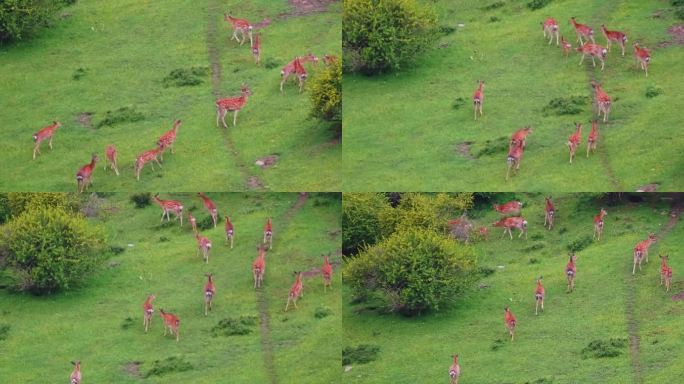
641 250
550 26
642 56
598 223
574 140
582 31
169 206
295 291
232 104
519 138
209 292
259 267
509 208
510 322
144 158
110 159
256 49
75 377
595 51
454 371
665 273
539 294
614 36
148 310
193 222
167 139
513 160
509 223
571 272
204 246
268 233
239 25
565 46
210 206
84 176
294 67
550 213
593 137
171 323
229 232
43 134
326 273
603 101
478 98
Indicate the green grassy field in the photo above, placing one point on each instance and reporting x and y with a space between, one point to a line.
402 131
101 323
608 302
127 48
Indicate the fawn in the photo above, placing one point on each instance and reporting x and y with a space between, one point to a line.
144 158
169 206
171 323
642 56
574 140
598 223
593 137
259 267
615 36
513 159
232 104
510 322
209 292
550 26
593 50
603 101
295 291
296 67
665 273
229 232
148 310
582 31
268 233
454 371
85 174
539 293
326 273
75 377
565 46
110 159
570 272
509 223
641 250
210 206
478 98
519 136
43 134
256 49
509 208
193 222
167 139
550 212
239 25
203 245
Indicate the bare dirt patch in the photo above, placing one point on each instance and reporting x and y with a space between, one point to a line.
133 368
463 149
678 297
677 34
305 7
254 183
267 161
85 119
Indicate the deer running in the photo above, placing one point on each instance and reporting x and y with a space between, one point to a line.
574 140
582 31
209 292
595 51
454 371
259 267
614 36
641 250
593 137
167 139
550 26
518 139
204 246
642 56
268 233
229 232
510 322
144 158
43 134
232 104
239 25
295 291
169 206
478 98
148 310
110 159
75 377
210 206
602 100
539 293
550 212
171 323
665 273
509 223
85 174
326 273
571 272
509 208
598 223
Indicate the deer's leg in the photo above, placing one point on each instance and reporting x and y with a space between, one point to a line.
510 233
582 59
235 117
593 61
231 242
603 64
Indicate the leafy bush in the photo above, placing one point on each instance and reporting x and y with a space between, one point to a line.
168 365
496 146
233 326
5 211
21 201
51 249
361 220
121 115
271 63
361 354
412 271
182 77
20 18
326 93
579 243
537 4
206 223
566 105
426 211
322 312
141 200
604 348
384 35
652 91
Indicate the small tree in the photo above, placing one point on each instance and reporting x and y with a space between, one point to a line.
326 93
19 18
50 249
420 210
361 214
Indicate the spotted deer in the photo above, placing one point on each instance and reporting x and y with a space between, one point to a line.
574 140
256 49
209 292
148 310
593 137
509 208
241 26
565 46
665 273
614 36
598 223
550 26
204 246
603 101
268 233
232 104
171 323
84 176
539 294
75 377
295 291
259 267
509 321
210 206
519 138
167 139
478 98
550 212
193 222
641 251
170 206
513 160
594 51
144 158
326 273
571 272
509 223
43 134
642 56
454 371
582 31
296 67
229 231
111 159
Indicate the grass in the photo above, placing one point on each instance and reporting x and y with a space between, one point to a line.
101 323
121 54
581 337
401 129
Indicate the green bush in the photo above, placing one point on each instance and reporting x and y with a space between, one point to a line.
537 4
234 326
168 365
326 93
50 249
384 35
412 271
361 220
21 18
426 211
121 115
141 200
566 105
361 354
21 201
183 77
5 211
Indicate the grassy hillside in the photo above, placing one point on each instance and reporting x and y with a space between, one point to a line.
101 323
608 302
402 131
121 51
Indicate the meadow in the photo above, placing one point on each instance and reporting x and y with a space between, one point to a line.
101 322
414 129
99 57
561 344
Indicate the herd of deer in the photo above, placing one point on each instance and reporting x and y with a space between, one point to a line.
601 98
640 252
233 104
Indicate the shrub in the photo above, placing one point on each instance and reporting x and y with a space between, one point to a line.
385 35
604 348
361 354
412 271
326 93
271 63
361 220
168 365
141 200
205 224
233 326
652 91
419 210
322 312
5 210
51 249
566 105
579 243
537 4
20 18
494 147
182 77
21 201
121 115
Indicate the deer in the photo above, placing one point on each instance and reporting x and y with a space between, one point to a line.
239 25
550 212
598 223
148 310
565 46
85 174
509 321
193 222
210 206
665 273
539 293
484 233
642 56
167 139
571 272
595 51
614 36
294 67
513 160
509 208
268 233
593 137
144 158
110 159
75 377
574 140
550 26
295 291
454 371
203 245
256 49
329 60
229 232
43 134
519 136
582 31
326 273
641 250
169 206
478 98
259 267
171 323
603 101
509 223
209 292
232 104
